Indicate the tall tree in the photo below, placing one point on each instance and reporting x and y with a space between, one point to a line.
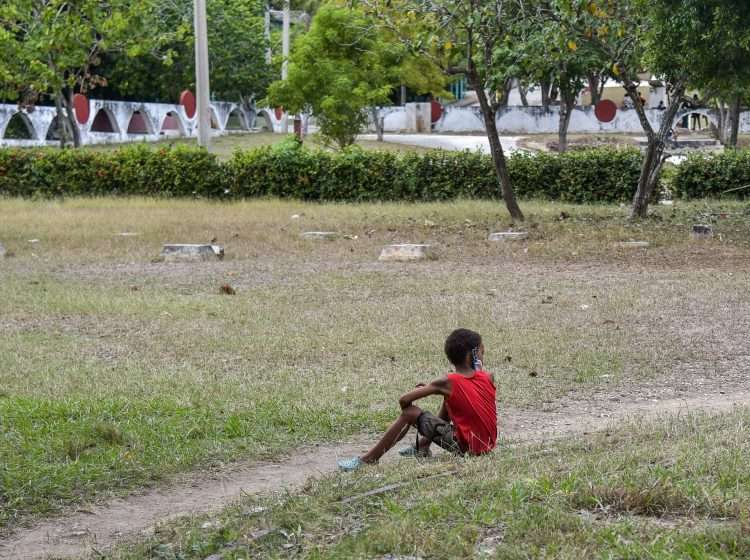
237 47
344 65
721 68
475 31
53 47
547 51
682 42
631 35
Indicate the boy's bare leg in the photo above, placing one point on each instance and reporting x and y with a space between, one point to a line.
394 434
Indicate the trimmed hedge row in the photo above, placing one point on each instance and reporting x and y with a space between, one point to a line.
135 170
711 175
289 170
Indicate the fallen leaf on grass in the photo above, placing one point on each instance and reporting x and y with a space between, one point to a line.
226 289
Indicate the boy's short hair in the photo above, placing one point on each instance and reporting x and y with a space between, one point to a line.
459 343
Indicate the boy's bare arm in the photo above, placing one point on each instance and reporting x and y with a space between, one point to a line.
440 386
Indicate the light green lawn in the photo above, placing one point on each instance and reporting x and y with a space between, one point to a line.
225 146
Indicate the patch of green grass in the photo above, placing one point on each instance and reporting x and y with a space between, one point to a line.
116 371
57 451
225 146
613 495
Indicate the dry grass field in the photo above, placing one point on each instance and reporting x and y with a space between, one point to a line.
118 371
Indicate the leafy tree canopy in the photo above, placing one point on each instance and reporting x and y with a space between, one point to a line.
237 50
53 47
50 45
344 65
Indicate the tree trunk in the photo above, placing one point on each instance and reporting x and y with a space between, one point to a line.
722 130
567 103
523 91
496 149
249 109
63 126
378 123
553 92
734 120
653 159
596 94
507 87
545 87
69 118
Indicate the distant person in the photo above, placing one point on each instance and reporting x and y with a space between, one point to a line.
672 137
467 421
641 99
695 118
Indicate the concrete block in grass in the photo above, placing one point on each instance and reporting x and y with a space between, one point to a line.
633 244
319 235
508 236
176 252
702 231
406 252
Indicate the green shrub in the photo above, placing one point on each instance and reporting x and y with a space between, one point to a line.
133 170
289 170
704 175
601 175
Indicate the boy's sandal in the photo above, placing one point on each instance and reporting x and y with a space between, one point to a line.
411 451
349 465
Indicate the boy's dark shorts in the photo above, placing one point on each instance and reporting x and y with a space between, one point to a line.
438 431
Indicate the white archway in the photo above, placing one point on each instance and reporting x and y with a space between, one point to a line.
264 121
708 113
172 125
139 122
236 120
18 124
104 122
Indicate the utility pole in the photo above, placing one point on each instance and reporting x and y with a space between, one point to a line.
267 33
201 74
285 54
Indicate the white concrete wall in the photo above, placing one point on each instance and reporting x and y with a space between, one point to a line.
120 113
530 120
414 117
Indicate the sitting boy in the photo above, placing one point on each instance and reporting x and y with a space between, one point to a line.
467 421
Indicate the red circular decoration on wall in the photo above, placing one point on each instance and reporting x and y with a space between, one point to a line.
187 100
278 112
436 110
605 110
81 108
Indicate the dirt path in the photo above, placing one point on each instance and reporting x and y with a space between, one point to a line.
99 527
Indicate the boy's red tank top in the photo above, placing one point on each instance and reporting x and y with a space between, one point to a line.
471 406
